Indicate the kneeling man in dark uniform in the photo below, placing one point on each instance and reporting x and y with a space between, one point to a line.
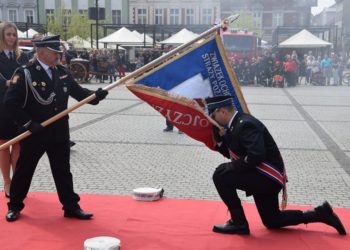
257 168
40 92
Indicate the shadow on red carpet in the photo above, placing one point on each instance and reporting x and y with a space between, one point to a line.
168 224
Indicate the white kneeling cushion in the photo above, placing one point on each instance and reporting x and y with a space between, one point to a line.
102 243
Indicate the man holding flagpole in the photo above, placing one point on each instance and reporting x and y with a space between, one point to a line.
40 91
257 168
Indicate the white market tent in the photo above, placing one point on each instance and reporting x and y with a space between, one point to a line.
79 42
181 37
143 37
30 32
304 39
123 37
101 45
21 34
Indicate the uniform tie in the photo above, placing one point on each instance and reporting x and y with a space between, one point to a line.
53 71
11 55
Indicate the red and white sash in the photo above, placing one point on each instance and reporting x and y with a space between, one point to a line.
273 173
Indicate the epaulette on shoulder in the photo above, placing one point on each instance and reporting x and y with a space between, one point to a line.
62 67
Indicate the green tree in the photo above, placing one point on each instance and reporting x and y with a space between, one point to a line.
54 24
68 25
79 25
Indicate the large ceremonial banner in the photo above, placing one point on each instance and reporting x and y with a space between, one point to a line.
176 87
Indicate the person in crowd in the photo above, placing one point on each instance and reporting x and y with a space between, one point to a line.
296 73
31 53
341 69
240 71
278 79
335 69
248 74
138 63
121 69
290 70
302 70
41 90
326 68
169 126
11 57
266 69
85 54
309 65
112 65
254 154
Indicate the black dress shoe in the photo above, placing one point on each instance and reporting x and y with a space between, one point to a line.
71 144
330 218
168 129
231 228
78 213
12 215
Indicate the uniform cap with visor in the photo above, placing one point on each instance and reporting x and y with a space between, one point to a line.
216 102
51 42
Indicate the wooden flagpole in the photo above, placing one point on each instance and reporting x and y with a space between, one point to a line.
121 81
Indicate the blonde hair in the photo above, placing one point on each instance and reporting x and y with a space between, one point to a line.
3 27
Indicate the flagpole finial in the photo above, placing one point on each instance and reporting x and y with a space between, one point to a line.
232 18
226 22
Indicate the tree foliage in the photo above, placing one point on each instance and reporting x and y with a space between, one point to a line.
71 25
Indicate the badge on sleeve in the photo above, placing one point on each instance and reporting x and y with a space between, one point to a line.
65 89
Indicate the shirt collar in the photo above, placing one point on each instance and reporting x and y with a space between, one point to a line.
45 66
233 117
7 52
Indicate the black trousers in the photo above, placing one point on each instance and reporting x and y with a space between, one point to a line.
228 179
30 153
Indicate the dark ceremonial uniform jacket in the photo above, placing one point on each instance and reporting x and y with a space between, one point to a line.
7 69
40 98
248 138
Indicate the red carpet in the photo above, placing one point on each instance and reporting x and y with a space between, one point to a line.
168 224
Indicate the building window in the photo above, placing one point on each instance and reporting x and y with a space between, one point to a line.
141 16
116 16
29 16
83 13
257 16
207 16
66 17
50 15
189 16
174 16
277 19
158 16
12 15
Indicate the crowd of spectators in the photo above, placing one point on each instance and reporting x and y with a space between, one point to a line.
276 70
269 69
107 64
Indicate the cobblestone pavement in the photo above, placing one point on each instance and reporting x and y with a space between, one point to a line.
121 146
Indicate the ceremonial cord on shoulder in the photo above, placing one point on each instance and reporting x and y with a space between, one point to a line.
28 80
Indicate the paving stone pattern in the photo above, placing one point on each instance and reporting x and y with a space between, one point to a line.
121 146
